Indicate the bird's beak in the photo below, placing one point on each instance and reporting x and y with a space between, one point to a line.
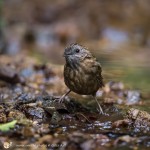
65 55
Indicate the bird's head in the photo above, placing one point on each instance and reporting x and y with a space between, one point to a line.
75 53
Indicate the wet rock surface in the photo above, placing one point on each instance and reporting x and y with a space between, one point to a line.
139 119
44 123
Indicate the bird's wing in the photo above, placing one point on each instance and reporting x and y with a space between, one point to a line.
98 73
91 66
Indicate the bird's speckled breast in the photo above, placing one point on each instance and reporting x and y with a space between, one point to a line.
81 80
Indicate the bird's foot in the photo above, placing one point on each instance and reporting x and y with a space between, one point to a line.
59 100
101 112
62 98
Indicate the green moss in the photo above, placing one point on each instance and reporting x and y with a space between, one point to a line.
7 126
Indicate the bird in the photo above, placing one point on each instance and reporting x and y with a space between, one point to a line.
82 72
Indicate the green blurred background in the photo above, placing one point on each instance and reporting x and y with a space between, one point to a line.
117 32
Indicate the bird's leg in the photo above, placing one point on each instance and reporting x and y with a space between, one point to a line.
99 106
63 96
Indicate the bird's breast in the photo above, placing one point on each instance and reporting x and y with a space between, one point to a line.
81 80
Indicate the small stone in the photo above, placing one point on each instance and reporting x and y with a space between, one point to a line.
28 131
140 119
3 118
116 86
25 98
133 97
56 117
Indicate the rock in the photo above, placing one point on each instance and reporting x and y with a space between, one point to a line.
133 97
25 98
115 86
36 113
56 117
15 115
140 119
9 75
28 131
3 118
120 123
125 138
135 119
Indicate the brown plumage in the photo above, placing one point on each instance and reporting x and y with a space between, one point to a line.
82 73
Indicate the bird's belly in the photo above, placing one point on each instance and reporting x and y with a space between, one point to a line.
82 83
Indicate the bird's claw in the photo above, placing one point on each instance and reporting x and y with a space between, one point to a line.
59 100
102 113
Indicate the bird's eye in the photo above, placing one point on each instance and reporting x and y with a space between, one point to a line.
77 50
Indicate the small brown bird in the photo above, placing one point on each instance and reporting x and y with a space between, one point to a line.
82 73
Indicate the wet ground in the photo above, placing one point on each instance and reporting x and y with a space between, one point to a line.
32 118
